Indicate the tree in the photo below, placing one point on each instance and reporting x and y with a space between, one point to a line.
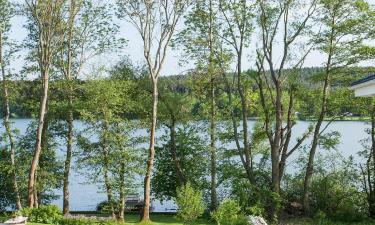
174 110
50 169
45 27
274 17
340 39
237 28
188 147
368 168
156 23
67 70
201 43
287 20
89 32
190 204
110 153
126 161
6 13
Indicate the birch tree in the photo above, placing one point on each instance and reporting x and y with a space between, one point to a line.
156 23
45 28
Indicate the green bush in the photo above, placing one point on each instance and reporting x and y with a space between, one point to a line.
190 204
49 214
256 210
319 217
105 207
229 213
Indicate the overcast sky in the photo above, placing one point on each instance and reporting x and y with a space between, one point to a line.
134 49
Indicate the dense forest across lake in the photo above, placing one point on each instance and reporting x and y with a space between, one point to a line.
25 93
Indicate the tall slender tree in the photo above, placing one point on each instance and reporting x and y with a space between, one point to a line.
6 13
67 70
340 39
276 21
201 44
237 27
156 22
90 32
45 28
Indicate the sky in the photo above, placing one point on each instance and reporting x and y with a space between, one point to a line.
134 49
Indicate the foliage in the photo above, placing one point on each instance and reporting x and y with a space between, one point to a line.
190 146
50 169
334 189
6 194
49 214
229 213
190 203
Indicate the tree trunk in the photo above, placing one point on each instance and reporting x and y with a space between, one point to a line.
235 131
145 217
213 150
275 148
173 149
371 191
284 150
8 129
373 140
315 141
212 113
247 150
122 194
107 182
70 116
68 160
37 150
35 195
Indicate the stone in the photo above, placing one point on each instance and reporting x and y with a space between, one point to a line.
19 220
257 220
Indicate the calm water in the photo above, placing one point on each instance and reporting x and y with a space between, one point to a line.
84 196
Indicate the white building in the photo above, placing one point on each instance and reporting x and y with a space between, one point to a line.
364 87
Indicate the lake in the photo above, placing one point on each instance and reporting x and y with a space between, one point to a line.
85 197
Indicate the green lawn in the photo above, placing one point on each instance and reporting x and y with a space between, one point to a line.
327 222
156 219
133 219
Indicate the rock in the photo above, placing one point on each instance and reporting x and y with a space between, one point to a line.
19 220
294 208
257 220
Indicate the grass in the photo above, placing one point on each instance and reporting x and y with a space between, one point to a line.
160 219
306 221
133 219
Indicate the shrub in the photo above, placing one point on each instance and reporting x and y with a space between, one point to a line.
190 204
256 210
49 214
229 213
320 217
105 207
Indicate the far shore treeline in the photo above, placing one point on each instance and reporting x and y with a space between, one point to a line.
25 93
